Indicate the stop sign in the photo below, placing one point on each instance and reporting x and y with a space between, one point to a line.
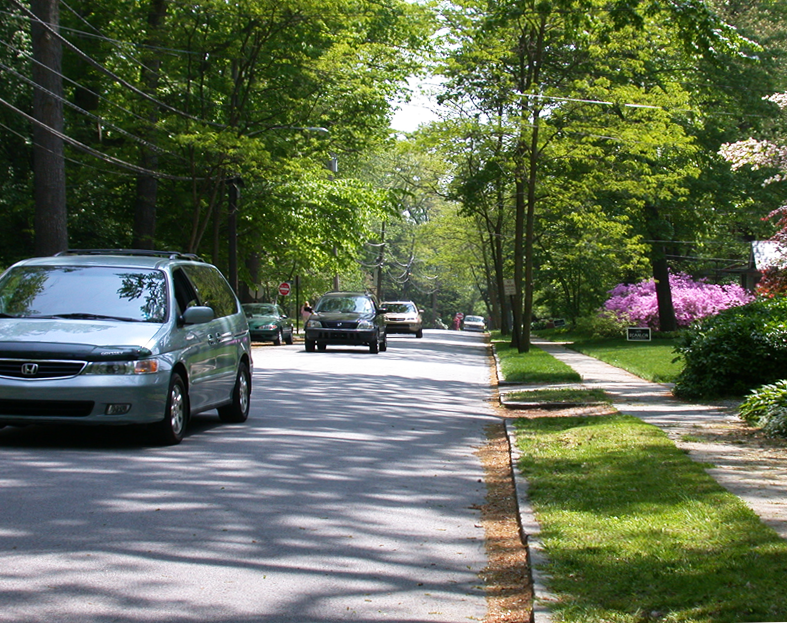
284 288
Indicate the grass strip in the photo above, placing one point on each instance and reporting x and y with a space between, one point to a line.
653 361
636 531
560 395
535 366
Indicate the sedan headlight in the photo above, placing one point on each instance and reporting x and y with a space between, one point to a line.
313 324
143 366
365 324
268 327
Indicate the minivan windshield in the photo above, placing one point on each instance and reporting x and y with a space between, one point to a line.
90 293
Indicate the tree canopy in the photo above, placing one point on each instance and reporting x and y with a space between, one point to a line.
579 150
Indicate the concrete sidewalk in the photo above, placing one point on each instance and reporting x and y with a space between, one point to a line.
758 475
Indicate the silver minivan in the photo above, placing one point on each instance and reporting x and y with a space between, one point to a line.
121 337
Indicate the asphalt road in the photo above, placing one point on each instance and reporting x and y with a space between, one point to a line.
351 494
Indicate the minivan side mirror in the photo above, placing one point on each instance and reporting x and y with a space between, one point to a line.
197 315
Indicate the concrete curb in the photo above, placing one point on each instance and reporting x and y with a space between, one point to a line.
529 531
529 528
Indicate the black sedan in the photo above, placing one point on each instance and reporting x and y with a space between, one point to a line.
347 319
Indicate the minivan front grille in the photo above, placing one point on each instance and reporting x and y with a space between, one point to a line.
37 370
48 408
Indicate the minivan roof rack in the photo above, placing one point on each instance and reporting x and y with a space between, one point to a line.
173 255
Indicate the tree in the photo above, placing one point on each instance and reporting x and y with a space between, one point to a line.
51 234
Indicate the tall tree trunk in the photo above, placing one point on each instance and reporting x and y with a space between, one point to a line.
49 172
147 183
660 229
667 320
519 257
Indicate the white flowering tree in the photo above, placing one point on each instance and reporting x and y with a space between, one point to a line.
765 154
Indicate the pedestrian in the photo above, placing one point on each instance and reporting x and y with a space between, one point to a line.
305 312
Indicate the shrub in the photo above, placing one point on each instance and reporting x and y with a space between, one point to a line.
735 351
605 324
691 299
766 408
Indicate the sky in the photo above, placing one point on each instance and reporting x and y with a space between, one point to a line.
419 110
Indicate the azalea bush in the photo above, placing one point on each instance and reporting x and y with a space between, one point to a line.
636 304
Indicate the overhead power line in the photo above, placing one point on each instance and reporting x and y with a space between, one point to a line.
120 80
94 152
82 111
19 52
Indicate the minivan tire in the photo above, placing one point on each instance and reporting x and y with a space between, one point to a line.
237 411
172 427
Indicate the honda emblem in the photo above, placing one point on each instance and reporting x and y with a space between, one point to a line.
29 369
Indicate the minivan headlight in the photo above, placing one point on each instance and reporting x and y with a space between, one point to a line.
142 366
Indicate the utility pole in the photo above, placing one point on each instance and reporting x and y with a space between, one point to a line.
49 169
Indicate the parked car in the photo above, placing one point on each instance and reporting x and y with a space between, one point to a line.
347 319
121 337
403 317
474 323
268 323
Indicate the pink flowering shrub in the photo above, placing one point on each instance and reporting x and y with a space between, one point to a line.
636 304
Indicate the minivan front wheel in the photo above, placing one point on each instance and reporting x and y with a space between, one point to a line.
237 411
171 429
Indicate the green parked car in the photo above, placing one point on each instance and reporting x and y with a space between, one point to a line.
268 323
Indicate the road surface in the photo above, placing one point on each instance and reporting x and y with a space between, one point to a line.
351 494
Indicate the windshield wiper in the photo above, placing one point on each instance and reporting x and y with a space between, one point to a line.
86 316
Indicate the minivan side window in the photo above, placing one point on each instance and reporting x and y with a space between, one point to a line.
185 294
213 290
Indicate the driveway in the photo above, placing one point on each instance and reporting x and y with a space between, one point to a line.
351 494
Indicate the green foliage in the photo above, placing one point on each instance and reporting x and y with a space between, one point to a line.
735 351
766 408
602 325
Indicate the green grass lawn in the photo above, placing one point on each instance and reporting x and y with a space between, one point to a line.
652 360
569 395
636 531
535 366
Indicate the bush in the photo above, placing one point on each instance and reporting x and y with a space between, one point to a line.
692 300
735 351
605 324
766 408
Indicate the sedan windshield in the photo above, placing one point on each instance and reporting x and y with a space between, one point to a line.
351 304
399 308
89 293
260 309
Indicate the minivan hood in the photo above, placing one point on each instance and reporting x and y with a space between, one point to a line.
79 337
